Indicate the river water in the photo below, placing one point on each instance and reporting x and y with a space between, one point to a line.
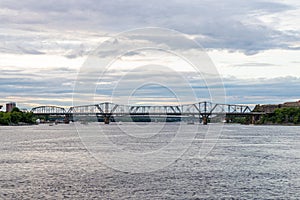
246 162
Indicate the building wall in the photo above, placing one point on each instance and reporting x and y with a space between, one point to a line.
270 108
292 104
10 106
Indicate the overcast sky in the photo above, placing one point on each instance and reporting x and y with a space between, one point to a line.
255 45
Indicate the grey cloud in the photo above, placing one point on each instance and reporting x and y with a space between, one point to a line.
29 51
27 83
22 40
225 24
273 90
79 51
255 64
56 85
55 27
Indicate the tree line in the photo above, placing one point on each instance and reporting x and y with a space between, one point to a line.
282 116
16 117
288 115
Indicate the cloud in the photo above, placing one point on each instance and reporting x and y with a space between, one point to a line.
72 29
32 89
232 24
263 90
255 64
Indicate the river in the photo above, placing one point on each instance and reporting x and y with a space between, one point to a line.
243 162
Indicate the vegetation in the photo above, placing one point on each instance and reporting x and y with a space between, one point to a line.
240 120
16 117
282 116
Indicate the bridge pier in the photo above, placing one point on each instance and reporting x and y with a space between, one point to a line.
106 119
227 120
205 119
67 119
255 119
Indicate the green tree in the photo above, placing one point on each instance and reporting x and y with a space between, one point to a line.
5 118
296 119
282 115
28 118
16 117
15 109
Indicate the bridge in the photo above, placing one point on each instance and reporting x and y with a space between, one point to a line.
109 111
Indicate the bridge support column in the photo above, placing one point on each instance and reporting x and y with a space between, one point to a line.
106 119
227 120
67 119
252 119
255 119
205 119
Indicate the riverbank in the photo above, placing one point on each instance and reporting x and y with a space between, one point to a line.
283 116
16 117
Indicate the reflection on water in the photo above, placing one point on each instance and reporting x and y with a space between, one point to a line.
247 162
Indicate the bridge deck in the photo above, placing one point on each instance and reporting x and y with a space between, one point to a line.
106 110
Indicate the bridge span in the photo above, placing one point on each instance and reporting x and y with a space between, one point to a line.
108 111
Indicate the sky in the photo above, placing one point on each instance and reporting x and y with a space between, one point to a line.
254 45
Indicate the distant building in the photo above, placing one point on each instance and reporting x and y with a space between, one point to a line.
270 108
291 104
10 106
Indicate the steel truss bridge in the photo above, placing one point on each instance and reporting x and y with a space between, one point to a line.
107 111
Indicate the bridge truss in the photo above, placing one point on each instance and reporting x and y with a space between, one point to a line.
48 110
106 110
197 108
